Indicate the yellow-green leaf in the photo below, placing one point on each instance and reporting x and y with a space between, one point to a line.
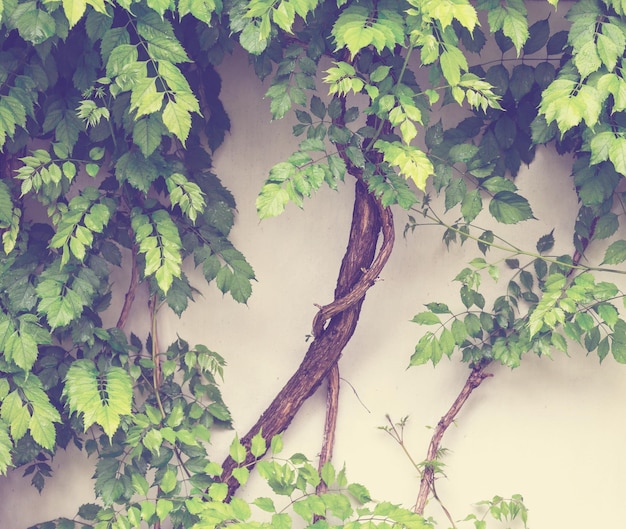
74 10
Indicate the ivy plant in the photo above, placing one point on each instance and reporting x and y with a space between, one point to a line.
110 113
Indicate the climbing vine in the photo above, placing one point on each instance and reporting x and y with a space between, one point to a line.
110 113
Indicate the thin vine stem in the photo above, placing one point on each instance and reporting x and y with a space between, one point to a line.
513 249
156 361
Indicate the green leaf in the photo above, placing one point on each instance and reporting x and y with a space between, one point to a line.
411 161
145 98
438 308
6 204
35 25
201 9
276 444
101 397
615 253
253 39
43 416
453 62
15 414
237 451
511 19
42 430
600 144
177 120
162 43
271 201
426 318
423 350
471 205
587 59
22 347
510 208
74 10
134 168
265 504
168 481
462 153
360 493
455 193
606 226
5 449
617 154
164 508
258 446
328 473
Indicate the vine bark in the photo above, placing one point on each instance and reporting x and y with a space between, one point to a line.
427 482
334 323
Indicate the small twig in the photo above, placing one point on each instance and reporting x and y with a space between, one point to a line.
443 507
330 425
474 380
398 437
356 394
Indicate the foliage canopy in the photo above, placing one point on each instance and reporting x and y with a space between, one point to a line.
109 115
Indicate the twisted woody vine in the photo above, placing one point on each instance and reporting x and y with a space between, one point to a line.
110 113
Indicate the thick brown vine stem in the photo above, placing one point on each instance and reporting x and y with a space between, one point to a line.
330 424
475 378
334 324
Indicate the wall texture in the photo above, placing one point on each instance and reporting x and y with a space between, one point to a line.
552 430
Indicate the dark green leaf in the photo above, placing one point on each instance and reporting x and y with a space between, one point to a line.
506 131
522 80
606 226
89 511
557 43
317 107
503 42
498 77
545 73
137 170
510 208
455 193
471 205
438 308
545 243
538 34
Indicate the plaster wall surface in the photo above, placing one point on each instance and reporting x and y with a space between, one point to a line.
553 430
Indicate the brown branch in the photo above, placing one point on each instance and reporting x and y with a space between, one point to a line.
132 290
330 425
474 380
370 275
334 328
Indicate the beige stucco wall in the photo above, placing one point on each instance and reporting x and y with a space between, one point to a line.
552 430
